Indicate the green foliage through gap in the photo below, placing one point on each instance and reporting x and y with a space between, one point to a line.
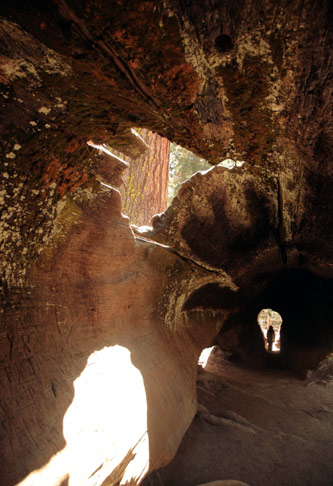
183 164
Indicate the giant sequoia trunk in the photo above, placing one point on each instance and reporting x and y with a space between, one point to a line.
101 330
145 189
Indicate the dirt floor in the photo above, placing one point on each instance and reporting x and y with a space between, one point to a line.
262 427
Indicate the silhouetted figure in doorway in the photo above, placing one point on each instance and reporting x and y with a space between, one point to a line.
270 337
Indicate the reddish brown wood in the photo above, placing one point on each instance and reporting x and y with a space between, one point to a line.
251 82
145 189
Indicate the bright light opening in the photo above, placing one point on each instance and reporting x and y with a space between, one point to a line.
184 164
231 163
204 356
105 434
270 323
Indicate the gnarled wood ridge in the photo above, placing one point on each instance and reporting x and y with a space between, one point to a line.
100 329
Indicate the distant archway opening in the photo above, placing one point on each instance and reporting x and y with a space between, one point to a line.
270 324
204 356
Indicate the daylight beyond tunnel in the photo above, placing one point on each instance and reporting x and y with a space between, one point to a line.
299 296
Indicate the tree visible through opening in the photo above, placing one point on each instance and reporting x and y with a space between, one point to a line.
145 183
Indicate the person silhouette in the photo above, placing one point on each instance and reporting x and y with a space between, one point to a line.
270 337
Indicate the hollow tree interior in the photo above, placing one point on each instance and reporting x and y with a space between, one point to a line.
109 294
